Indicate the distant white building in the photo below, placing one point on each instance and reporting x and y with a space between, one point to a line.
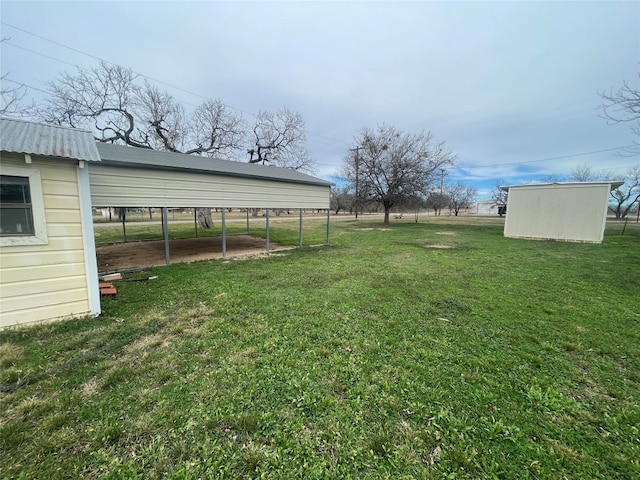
485 207
575 212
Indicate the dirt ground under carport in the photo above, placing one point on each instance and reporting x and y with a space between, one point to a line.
123 256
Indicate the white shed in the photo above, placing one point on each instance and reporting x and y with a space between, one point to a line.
47 253
574 212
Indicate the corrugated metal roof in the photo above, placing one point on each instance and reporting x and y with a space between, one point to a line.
613 184
20 136
111 154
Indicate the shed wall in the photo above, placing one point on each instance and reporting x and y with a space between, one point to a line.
115 186
560 212
42 282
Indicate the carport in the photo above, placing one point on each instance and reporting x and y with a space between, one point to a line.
136 177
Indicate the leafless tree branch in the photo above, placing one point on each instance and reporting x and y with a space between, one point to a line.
622 105
278 138
392 166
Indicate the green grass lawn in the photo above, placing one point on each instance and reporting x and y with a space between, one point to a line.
283 228
432 350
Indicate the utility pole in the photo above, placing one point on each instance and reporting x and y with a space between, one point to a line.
442 170
357 150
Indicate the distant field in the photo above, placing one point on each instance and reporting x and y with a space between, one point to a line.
437 349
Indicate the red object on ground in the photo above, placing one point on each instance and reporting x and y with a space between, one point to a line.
107 290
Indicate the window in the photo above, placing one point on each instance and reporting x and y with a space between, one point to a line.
16 214
22 217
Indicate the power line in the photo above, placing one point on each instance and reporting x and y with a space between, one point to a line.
41 54
24 85
108 62
52 41
336 141
553 158
137 73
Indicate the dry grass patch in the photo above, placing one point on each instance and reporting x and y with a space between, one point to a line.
257 256
9 354
142 346
90 388
245 356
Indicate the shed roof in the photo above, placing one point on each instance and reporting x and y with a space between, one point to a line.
20 136
612 184
146 158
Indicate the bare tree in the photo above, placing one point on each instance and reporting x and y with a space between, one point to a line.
585 173
627 195
277 138
110 101
499 197
437 201
11 99
551 178
342 199
217 129
623 198
161 120
623 106
459 196
393 166
101 99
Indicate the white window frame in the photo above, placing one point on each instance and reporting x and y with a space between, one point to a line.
37 209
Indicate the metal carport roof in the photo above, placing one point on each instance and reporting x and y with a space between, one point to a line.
111 154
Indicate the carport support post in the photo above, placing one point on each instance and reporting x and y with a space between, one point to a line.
124 227
300 234
328 215
224 234
165 235
267 218
195 220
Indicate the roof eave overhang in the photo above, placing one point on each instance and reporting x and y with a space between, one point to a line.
144 166
612 185
51 155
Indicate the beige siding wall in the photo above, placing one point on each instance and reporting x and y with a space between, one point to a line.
561 212
131 187
42 282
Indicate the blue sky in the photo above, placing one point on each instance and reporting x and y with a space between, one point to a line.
509 86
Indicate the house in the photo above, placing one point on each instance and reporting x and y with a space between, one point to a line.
575 211
51 177
47 254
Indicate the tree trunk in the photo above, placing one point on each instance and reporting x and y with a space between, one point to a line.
387 209
204 218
